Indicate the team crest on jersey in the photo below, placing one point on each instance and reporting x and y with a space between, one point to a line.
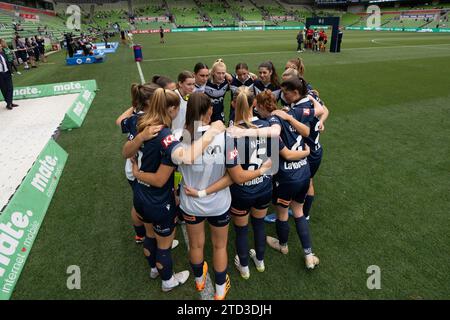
168 207
306 112
167 141
233 154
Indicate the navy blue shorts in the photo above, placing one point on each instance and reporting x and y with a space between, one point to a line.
242 203
216 221
163 217
284 193
314 163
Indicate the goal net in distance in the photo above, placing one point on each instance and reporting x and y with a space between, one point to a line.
252 25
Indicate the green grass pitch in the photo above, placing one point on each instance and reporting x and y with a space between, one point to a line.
382 192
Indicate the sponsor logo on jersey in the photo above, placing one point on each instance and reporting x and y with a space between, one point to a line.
306 112
167 141
233 154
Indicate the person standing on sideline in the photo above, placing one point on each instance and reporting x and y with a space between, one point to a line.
105 37
6 84
9 56
299 41
69 44
123 36
161 35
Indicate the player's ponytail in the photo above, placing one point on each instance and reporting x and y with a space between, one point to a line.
297 63
243 106
157 113
301 67
303 90
134 94
141 94
161 81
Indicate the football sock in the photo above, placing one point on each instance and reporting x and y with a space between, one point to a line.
282 231
302 227
164 258
150 245
260 237
242 244
307 205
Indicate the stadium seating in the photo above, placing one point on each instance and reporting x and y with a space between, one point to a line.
51 26
218 14
245 10
185 13
350 19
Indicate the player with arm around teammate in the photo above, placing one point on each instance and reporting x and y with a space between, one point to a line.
153 193
296 92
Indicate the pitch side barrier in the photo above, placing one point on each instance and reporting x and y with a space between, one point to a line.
434 30
77 112
210 29
23 215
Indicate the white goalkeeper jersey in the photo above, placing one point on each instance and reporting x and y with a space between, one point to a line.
206 170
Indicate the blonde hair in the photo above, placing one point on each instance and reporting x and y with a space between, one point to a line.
290 72
244 98
157 113
217 64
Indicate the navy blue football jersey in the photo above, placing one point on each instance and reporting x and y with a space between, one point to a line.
291 139
217 94
199 88
260 87
250 153
129 125
236 83
310 91
314 134
155 152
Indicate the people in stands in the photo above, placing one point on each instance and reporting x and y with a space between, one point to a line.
41 48
21 52
35 46
30 52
